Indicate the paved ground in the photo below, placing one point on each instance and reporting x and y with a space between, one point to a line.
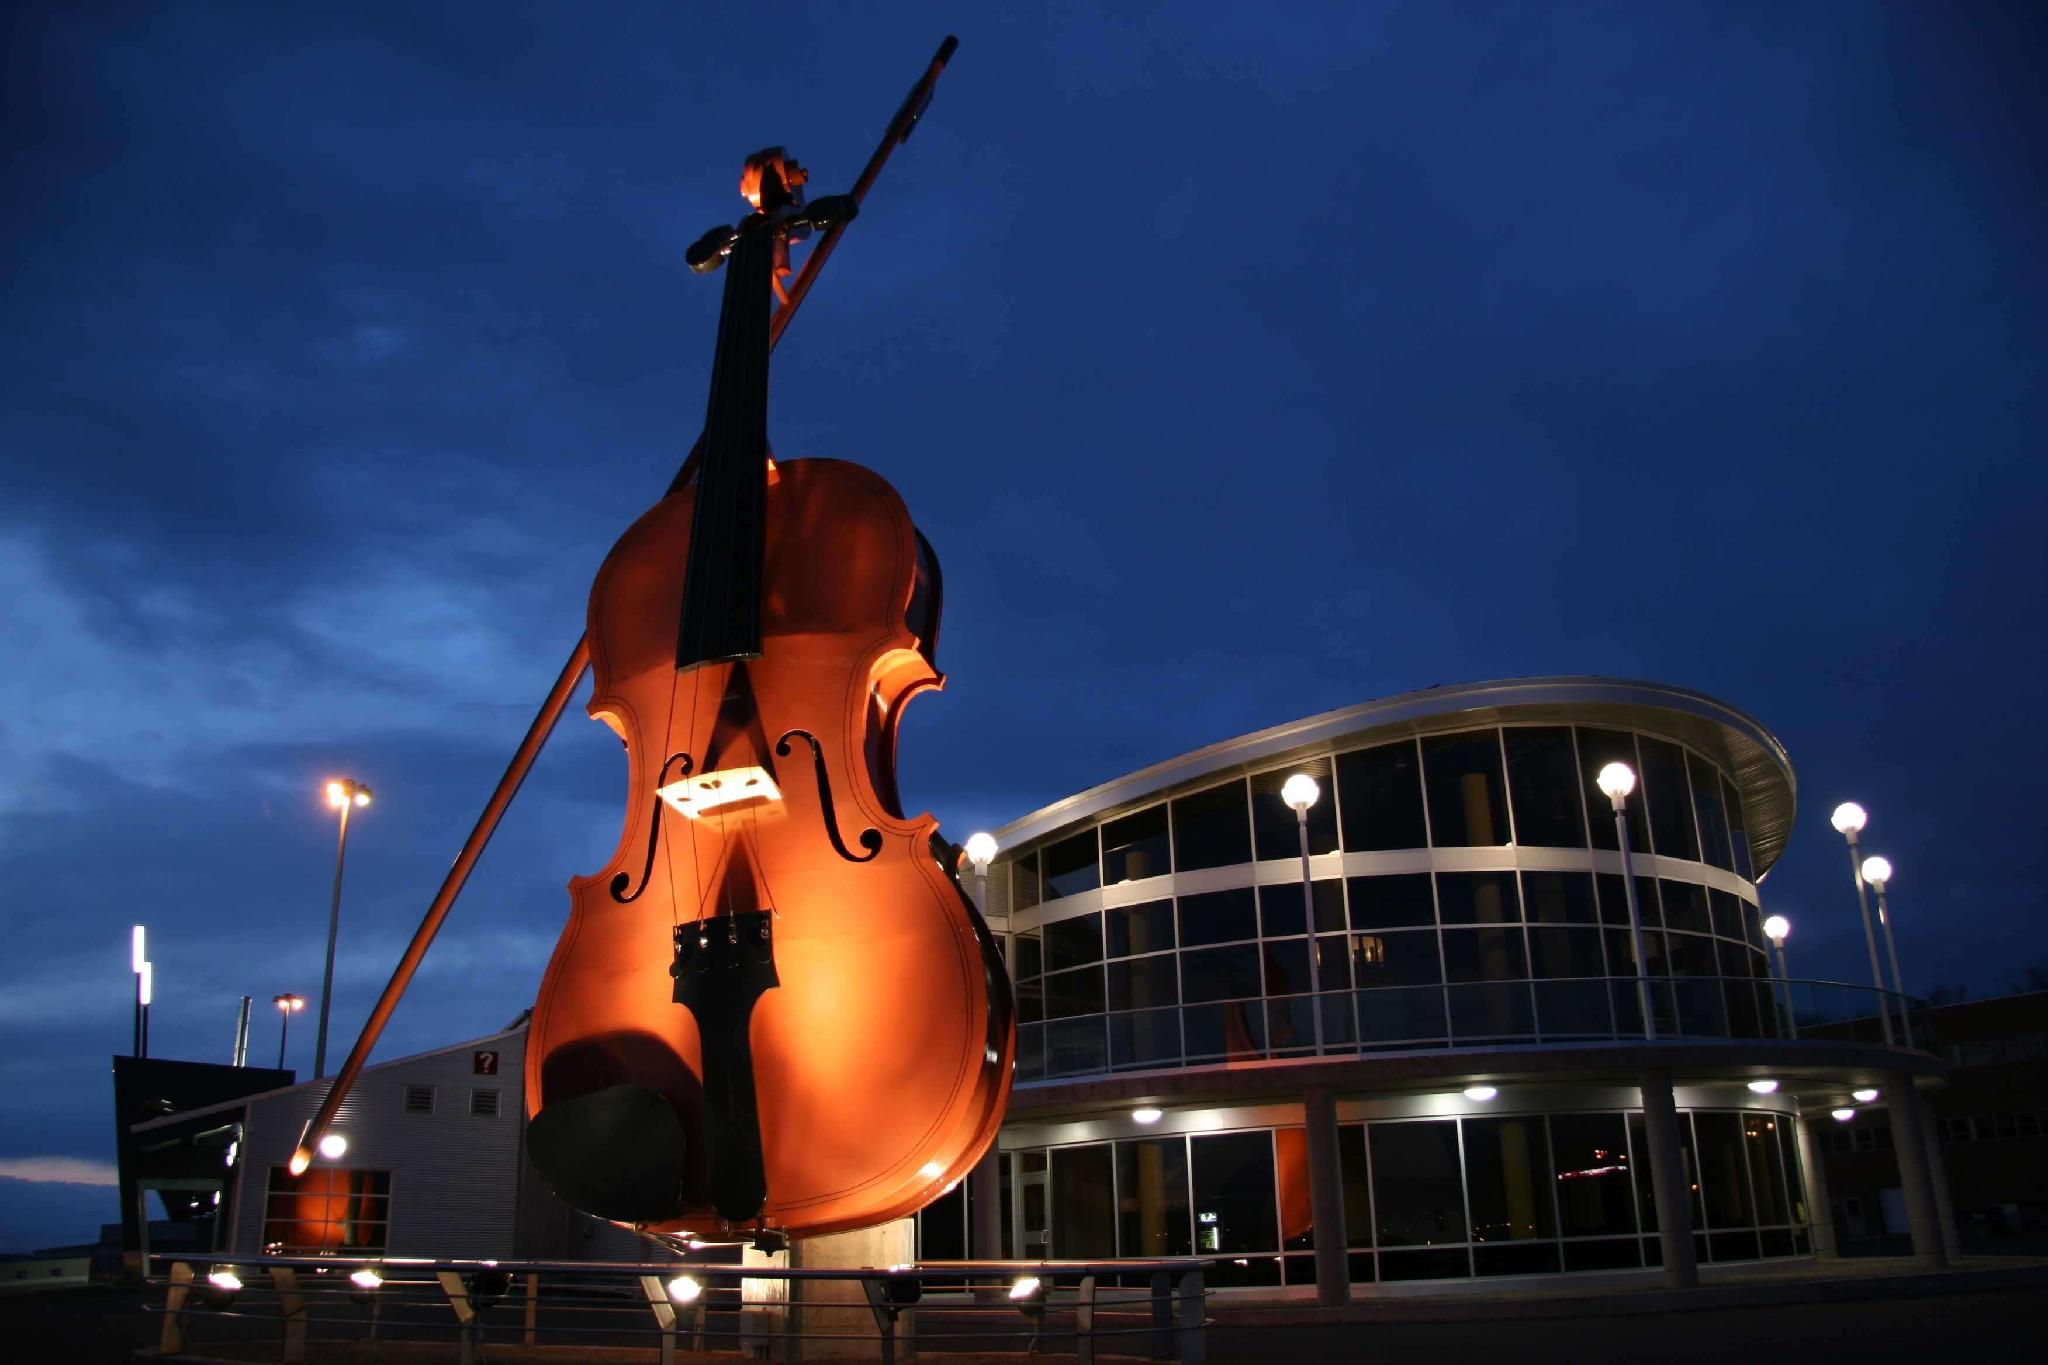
1870 1313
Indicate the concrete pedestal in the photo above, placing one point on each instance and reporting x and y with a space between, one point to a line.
840 1307
985 1207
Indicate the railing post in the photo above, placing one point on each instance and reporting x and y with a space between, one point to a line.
656 1294
1162 1315
885 1317
1084 1322
1194 1346
172 1340
532 1308
465 1313
292 1304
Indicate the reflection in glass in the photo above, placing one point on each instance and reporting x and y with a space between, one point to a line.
1559 897
1710 813
1024 880
1556 952
1724 1176
1145 1038
1477 898
1220 973
1083 1219
1726 912
1661 787
1136 846
1417 1192
1212 828
1152 1181
1484 955
1381 792
1071 942
1075 1047
1467 800
1646 1198
1491 1010
1276 829
1510 1191
1280 908
1685 906
1597 749
1589 1155
1297 1218
1738 831
1391 902
1071 866
1543 780
1408 958
1219 917
1134 929
1233 1179
1614 900
1760 1139
1075 992
1144 982
1357 1189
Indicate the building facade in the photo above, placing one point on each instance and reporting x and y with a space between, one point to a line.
1467 1010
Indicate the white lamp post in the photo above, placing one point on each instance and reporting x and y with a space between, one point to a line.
287 1004
344 795
1300 792
145 990
1616 781
981 851
1878 872
1848 821
138 958
1777 929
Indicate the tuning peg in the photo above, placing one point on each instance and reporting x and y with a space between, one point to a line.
708 252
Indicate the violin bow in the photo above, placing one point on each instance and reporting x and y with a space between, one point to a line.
899 130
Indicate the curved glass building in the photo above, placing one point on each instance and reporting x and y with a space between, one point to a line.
1463 1044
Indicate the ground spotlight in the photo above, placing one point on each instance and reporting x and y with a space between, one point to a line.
367 1282
684 1289
219 1288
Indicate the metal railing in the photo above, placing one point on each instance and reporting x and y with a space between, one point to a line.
1154 1308
1474 1014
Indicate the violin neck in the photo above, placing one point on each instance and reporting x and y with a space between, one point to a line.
721 619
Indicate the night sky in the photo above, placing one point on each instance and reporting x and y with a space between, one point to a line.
1240 362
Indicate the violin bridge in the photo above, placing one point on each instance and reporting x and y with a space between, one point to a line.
695 795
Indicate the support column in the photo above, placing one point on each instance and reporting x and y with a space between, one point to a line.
985 1207
1813 1173
1667 1181
1937 1167
1326 1198
1909 1145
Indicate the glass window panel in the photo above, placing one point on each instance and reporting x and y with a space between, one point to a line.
1726 913
1556 952
1220 973
1752 925
1083 1215
1724 1177
1788 1150
1233 1177
1287 967
1402 1016
1030 955
1071 993
1030 1049
1152 1197
1621 1253
1589 1156
1711 815
1399 959
1494 1009
1024 880
1597 749
1560 897
1231 1031
1145 1038
1297 1214
1381 793
1418 1191
1467 800
1392 902
1333 961
1276 830
1685 906
1477 898
1543 780
1447 1263
1280 908
1141 983
1071 942
1614 900
1136 846
1646 1198
1212 828
1507 1182
1576 1009
1134 929
1031 1000
1692 955
1219 917
1071 866
1075 1047
1766 1175
1661 787
1357 1188
1738 831
1484 955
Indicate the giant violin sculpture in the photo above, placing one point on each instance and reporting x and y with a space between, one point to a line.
775 1010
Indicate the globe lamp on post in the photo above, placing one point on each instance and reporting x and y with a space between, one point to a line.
981 851
1849 820
1777 929
1878 873
1301 792
343 794
1616 781
287 1004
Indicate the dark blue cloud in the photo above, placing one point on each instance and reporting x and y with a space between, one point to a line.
1238 369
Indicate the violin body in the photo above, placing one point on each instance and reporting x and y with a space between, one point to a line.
775 990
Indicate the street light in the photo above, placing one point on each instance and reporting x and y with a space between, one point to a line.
344 794
287 1005
981 851
145 989
1849 820
1616 781
1777 929
138 957
1300 792
1878 872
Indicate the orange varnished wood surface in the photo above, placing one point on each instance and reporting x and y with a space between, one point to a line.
882 1060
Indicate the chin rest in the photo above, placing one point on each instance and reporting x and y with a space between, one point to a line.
615 1153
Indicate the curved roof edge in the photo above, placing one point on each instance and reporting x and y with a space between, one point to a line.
1754 758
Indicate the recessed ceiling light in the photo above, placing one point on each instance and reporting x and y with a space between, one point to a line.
1480 1093
1146 1115
1863 1096
1843 1115
1764 1087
